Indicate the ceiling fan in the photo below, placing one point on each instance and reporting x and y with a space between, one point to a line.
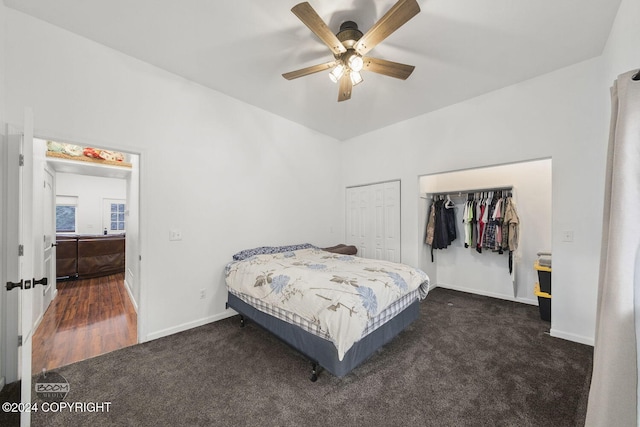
350 46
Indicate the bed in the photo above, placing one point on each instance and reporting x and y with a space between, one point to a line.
334 308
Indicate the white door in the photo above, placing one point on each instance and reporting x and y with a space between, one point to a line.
376 213
49 229
373 220
351 219
363 235
356 205
113 216
392 221
20 254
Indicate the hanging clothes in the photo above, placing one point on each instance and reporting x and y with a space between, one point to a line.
467 220
490 221
511 223
483 218
490 238
450 220
441 225
497 218
474 221
441 234
431 225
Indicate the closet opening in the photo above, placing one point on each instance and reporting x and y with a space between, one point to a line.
487 272
91 220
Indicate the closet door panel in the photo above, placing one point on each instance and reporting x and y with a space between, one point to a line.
378 221
392 221
373 220
363 236
352 216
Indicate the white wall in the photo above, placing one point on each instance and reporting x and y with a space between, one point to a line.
562 116
487 273
90 192
228 175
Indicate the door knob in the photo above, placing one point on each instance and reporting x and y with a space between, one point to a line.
22 284
42 282
11 285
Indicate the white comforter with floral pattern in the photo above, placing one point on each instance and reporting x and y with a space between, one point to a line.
340 293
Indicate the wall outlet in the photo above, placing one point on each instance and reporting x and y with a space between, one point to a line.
175 234
567 236
203 293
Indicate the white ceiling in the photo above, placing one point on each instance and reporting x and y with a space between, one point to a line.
461 49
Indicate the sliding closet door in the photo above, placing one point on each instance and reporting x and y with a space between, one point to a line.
373 220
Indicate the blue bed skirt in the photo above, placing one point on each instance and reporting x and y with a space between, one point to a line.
318 349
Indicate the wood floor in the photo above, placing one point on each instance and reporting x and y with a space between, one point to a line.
87 318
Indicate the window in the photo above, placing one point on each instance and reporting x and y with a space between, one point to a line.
66 214
117 217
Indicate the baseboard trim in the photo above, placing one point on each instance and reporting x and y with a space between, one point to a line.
38 321
188 325
131 298
572 337
487 294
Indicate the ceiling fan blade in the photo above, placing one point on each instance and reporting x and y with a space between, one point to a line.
311 19
397 16
345 88
309 70
388 68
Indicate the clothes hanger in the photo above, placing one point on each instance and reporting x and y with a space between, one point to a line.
449 203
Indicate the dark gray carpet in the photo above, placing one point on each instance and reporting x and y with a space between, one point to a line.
468 361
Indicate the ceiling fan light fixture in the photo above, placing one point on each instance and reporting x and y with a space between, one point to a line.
350 46
336 73
356 77
355 62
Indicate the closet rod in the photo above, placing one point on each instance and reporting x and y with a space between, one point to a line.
476 190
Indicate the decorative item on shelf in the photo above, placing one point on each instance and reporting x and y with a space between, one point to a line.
86 154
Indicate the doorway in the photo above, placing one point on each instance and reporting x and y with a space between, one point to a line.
92 305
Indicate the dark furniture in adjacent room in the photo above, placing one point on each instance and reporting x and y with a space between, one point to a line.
66 256
89 256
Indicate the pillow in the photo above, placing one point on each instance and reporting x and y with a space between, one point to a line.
263 250
342 249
